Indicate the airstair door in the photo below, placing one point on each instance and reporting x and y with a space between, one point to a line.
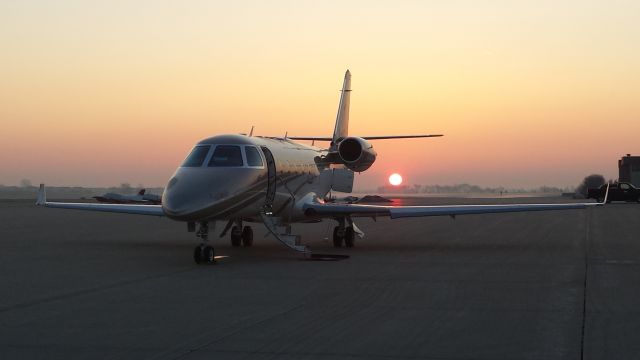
271 177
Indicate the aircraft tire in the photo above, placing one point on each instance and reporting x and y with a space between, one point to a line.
209 255
236 237
247 236
197 255
337 239
349 237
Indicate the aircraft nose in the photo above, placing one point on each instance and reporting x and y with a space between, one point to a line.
196 193
181 197
170 203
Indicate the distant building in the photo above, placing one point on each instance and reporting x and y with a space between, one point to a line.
629 169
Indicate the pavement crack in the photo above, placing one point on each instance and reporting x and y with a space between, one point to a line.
86 291
197 347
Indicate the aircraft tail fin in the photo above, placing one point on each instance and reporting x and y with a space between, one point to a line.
341 129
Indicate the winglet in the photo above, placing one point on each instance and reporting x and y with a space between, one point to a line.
606 194
42 196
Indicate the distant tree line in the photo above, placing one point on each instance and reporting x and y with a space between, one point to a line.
590 182
469 188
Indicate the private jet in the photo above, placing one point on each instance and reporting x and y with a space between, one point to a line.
276 181
142 197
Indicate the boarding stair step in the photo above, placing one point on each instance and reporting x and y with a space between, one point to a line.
272 223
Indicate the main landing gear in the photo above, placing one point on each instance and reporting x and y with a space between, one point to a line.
342 234
345 233
241 235
204 253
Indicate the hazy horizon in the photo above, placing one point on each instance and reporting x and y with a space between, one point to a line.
27 183
527 93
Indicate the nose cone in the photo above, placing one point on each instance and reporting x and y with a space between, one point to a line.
175 197
189 191
200 193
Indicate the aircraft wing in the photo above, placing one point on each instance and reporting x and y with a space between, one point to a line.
394 212
154 210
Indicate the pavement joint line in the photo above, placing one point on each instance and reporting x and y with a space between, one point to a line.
587 232
353 355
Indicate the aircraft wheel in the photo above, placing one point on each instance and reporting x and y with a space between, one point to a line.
236 236
349 237
337 239
197 255
208 255
247 236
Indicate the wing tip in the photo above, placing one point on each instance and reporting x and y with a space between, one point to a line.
606 195
41 200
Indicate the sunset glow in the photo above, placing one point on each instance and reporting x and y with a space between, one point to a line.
99 93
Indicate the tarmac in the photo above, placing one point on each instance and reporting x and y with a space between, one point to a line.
539 285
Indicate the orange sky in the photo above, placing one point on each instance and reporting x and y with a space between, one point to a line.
527 93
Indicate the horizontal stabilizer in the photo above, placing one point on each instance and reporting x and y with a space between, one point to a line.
314 138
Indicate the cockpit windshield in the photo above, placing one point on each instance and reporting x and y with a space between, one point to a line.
226 155
197 156
253 157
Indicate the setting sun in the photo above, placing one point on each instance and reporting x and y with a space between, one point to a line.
395 179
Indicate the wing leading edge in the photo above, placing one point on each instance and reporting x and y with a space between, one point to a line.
153 210
395 212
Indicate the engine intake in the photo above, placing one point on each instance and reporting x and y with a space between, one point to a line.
356 153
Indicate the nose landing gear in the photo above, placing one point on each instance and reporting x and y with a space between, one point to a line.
204 253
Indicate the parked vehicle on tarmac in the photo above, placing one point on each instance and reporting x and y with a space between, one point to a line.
620 191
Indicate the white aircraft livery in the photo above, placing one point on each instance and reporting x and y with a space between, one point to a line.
276 181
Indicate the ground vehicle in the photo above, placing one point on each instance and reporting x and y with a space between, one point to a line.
621 191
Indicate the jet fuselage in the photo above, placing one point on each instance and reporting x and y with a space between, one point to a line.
218 184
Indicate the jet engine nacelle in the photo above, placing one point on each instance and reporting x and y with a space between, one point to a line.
356 153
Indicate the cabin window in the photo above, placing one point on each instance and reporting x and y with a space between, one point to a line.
227 156
196 157
253 156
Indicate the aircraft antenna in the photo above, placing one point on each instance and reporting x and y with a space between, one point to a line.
251 132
